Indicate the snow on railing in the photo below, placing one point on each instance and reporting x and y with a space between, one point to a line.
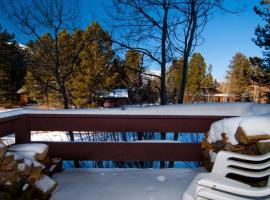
189 118
195 109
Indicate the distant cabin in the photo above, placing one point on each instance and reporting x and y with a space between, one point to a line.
115 98
211 95
224 98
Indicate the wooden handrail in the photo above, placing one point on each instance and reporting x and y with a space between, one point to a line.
22 125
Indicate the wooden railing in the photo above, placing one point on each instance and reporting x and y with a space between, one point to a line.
22 124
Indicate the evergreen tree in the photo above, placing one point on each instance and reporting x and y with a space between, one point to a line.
259 73
12 67
260 76
216 84
40 80
262 32
40 91
87 67
94 75
261 67
208 81
35 18
199 80
134 70
119 72
196 76
173 76
239 76
150 92
36 91
49 77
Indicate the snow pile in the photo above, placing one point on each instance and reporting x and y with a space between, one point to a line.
29 153
245 135
46 184
256 125
39 150
228 126
251 125
18 155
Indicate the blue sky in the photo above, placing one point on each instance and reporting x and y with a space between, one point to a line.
228 34
225 34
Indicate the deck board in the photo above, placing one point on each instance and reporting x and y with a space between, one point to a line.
123 184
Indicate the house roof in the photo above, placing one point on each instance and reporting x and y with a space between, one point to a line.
117 93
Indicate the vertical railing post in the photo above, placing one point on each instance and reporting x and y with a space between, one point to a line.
22 130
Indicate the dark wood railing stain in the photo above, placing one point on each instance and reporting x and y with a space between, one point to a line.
23 124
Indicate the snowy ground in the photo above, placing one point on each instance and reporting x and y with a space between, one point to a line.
123 184
55 136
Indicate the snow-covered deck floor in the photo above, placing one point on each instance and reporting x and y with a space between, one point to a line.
123 184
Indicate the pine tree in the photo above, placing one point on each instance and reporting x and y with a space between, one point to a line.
208 81
260 77
196 76
150 92
35 18
94 75
261 67
40 81
239 76
51 68
86 67
12 67
134 70
40 92
172 79
259 73
118 73
262 32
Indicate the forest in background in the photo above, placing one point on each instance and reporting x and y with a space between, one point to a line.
66 67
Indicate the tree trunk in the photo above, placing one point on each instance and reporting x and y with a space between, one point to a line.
65 98
189 37
163 66
183 81
162 86
163 55
70 133
140 87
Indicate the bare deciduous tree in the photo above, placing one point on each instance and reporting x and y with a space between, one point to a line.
162 30
37 17
196 14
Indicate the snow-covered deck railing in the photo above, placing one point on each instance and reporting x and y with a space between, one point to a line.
190 118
